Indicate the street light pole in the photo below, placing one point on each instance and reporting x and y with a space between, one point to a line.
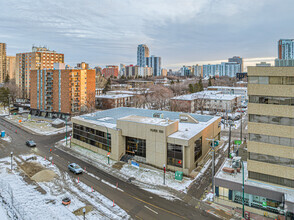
65 131
241 127
164 170
11 154
229 150
243 212
84 213
212 165
107 145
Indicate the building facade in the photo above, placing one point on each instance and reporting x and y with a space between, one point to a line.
197 70
269 171
110 71
224 69
142 53
10 66
213 101
158 138
55 93
155 63
238 60
3 68
286 49
40 58
113 101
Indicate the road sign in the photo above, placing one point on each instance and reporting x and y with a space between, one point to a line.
135 164
238 142
264 204
108 154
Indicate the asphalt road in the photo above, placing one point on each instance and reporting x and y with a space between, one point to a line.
139 204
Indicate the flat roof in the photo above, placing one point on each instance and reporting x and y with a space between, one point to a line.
227 87
209 94
147 120
186 130
115 96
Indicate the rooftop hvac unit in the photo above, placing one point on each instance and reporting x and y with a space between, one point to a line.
157 115
236 163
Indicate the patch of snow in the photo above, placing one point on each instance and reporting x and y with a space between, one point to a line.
208 197
7 138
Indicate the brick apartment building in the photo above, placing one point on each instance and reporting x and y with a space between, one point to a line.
39 58
60 92
110 71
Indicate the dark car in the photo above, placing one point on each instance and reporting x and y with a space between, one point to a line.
31 143
75 168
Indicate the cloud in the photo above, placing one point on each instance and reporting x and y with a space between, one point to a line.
108 31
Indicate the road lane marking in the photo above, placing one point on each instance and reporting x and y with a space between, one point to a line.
170 212
151 209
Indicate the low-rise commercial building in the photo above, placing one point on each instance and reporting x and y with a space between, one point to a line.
206 101
113 101
177 140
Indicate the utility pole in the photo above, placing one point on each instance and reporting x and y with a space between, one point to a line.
164 170
243 204
9 104
11 154
229 150
241 127
65 130
212 164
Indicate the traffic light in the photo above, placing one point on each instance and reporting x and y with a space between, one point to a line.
216 143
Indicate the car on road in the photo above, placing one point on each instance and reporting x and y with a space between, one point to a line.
75 168
31 143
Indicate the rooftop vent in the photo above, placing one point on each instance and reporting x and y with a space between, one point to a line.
157 115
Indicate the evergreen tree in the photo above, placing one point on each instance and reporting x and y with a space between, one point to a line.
191 88
200 85
209 82
172 82
107 86
196 87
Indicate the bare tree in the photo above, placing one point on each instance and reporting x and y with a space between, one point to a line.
90 102
13 89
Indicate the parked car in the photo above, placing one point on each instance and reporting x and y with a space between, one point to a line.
237 118
31 143
75 168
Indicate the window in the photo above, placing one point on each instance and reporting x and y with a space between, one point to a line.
198 149
175 155
275 80
253 79
272 139
271 120
263 80
136 147
271 179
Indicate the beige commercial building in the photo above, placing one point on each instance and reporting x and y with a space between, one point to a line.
158 138
271 124
2 62
269 170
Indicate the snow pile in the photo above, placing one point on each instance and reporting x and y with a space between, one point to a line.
6 138
208 197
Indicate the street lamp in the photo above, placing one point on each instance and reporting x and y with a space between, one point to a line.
164 170
11 154
84 213
243 212
229 150
65 130
108 154
212 164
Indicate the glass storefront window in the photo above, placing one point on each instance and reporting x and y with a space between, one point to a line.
136 146
175 155
198 149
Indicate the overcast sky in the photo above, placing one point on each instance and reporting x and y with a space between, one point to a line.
103 32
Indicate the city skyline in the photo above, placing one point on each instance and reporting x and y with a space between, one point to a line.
217 30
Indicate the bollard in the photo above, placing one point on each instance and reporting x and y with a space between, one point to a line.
92 188
52 162
113 204
78 179
116 185
85 169
45 157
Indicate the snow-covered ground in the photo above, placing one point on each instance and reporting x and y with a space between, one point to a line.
6 138
3 111
146 177
37 125
3 213
34 203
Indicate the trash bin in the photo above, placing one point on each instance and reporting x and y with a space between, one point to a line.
2 134
179 175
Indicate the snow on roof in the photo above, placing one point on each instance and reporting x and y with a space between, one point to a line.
116 96
209 94
186 130
57 121
136 92
147 120
226 87
289 193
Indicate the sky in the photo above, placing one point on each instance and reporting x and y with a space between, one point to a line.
182 32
